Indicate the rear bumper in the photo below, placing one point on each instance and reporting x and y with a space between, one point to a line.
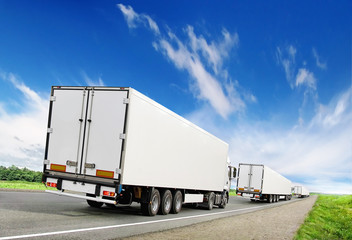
94 191
250 195
81 196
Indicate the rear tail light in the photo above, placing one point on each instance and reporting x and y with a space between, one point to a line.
109 194
51 184
239 194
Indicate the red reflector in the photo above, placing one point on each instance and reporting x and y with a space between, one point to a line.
107 193
239 194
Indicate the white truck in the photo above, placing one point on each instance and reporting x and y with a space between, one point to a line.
259 182
114 145
300 191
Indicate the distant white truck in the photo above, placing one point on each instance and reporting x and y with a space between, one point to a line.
259 182
114 145
300 191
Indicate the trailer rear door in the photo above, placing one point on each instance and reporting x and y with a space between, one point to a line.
104 133
85 131
256 178
244 176
250 177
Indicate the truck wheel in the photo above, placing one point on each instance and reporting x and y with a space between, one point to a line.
269 198
166 202
94 204
211 199
176 202
151 208
276 198
223 202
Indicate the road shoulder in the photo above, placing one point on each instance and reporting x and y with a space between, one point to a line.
280 222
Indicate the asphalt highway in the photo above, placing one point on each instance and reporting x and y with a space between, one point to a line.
40 215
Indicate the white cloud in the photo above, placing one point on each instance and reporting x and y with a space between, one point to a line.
202 59
318 154
23 133
206 86
318 62
133 18
286 58
90 82
304 77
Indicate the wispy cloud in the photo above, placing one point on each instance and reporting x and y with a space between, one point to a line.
133 18
306 78
203 60
91 82
23 133
318 61
298 78
317 154
286 58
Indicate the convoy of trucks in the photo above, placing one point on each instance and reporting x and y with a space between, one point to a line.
114 145
300 191
259 182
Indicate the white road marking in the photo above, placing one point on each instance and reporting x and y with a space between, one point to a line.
123 225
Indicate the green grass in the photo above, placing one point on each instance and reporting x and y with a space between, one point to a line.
24 185
232 192
330 218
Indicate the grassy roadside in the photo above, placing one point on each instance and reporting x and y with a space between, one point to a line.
232 192
330 218
24 185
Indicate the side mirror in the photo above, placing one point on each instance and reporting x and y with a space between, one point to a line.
234 172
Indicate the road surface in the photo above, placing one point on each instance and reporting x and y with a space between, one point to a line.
42 215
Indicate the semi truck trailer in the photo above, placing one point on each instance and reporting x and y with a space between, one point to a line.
259 182
114 145
300 191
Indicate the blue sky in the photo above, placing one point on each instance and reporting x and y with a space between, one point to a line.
273 79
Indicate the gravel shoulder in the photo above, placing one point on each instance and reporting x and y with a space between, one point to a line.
280 222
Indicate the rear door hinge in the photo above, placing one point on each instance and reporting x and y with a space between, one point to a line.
122 136
52 98
126 101
50 130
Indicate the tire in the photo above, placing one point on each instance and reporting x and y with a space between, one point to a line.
166 203
176 202
269 198
94 204
276 198
223 202
151 208
289 197
286 197
211 199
